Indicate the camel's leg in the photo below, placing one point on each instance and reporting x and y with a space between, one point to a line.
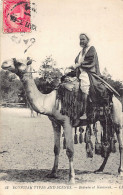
69 148
119 133
57 134
69 141
32 112
105 159
103 165
117 117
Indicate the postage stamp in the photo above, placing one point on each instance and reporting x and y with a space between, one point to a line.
16 16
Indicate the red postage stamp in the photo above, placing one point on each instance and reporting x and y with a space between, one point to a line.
16 16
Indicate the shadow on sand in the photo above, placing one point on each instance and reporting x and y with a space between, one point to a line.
35 175
32 175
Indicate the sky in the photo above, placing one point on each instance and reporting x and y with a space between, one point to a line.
59 24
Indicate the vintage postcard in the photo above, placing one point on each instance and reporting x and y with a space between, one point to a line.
61 97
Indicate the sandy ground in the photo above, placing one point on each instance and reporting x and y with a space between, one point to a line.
26 154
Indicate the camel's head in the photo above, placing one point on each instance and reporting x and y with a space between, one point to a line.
18 67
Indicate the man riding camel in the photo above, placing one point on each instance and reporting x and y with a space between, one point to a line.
86 63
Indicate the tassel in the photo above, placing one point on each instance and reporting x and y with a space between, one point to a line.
87 128
80 138
96 141
64 143
101 137
112 145
91 144
85 140
89 150
95 130
75 139
81 130
91 131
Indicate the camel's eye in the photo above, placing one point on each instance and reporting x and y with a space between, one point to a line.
29 62
19 64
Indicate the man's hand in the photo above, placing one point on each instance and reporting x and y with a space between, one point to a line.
77 65
81 60
71 67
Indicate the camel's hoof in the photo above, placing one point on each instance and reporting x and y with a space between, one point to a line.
72 181
52 175
120 171
98 171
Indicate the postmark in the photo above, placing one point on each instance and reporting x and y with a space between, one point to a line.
16 16
27 42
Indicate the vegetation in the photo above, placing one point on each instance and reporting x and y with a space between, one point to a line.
11 89
49 76
117 85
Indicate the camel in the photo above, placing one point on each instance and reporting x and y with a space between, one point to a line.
46 104
33 113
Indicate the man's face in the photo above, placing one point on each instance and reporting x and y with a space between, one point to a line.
83 41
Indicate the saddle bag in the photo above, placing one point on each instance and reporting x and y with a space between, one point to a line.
71 84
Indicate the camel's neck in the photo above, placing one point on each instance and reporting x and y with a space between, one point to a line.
42 103
30 86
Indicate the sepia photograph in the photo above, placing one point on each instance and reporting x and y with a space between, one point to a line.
61 97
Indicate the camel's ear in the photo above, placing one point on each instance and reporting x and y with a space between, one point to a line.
14 60
29 61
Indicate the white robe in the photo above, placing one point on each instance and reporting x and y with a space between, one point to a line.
85 82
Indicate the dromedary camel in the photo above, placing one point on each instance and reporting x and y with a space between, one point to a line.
46 104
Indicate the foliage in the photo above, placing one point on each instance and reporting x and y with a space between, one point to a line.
44 86
117 85
49 75
11 89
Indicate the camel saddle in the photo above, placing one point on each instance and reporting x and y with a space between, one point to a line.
72 98
71 84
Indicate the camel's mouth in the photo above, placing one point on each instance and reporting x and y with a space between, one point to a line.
6 66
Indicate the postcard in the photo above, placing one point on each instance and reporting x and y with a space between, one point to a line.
61 97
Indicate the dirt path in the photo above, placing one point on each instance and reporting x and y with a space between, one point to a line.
26 154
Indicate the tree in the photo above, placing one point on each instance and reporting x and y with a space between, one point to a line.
11 89
49 75
117 85
106 74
